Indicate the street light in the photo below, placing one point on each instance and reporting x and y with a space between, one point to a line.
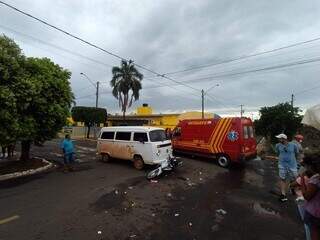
95 85
202 97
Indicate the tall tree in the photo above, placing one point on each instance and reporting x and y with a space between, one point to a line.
89 116
126 79
35 97
277 119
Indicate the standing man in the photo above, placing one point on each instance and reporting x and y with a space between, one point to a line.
68 150
288 171
298 139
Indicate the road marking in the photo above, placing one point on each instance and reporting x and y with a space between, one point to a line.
9 219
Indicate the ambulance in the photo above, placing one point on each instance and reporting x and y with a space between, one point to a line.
228 140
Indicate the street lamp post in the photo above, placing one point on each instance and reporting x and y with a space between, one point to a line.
203 93
96 86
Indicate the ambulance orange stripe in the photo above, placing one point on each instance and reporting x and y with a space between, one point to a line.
213 137
213 142
224 138
224 134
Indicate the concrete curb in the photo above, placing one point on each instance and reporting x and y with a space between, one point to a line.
27 172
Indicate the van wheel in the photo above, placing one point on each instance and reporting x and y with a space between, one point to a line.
105 158
224 161
138 162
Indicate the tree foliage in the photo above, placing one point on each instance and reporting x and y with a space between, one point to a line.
89 115
126 79
35 97
281 118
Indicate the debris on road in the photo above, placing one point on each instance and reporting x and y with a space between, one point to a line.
200 179
116 192
215 228
99 232
133 236
130 187
176 214
221 211
169 195
153 214
154 181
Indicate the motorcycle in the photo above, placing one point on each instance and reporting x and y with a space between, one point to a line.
167 165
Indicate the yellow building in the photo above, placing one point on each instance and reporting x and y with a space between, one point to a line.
144 117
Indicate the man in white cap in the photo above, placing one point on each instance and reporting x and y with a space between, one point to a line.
288 171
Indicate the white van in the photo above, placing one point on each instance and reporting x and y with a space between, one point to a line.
142 145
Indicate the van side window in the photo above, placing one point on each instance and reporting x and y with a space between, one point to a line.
107 135
140 137
245 132
251 133
124 136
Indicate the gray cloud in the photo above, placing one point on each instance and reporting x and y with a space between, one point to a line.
172 35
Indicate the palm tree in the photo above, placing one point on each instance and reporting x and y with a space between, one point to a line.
126 79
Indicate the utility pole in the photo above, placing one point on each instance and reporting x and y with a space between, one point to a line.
292 99
97 94
241 110
202 97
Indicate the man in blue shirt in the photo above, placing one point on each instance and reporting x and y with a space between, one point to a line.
287 164
68 151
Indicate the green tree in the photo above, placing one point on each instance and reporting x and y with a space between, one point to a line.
35 97
281 118
126 78
89 115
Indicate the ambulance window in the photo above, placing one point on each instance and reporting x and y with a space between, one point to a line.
124 136
245 132
140 137
107 135
251 134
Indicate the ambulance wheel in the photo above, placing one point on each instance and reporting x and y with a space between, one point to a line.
138 162
224 161
105 158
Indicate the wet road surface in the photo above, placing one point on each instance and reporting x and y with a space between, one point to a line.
115 201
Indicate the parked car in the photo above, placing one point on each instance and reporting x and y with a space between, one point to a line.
142 145
226 139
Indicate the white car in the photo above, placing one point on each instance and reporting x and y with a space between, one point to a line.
142 145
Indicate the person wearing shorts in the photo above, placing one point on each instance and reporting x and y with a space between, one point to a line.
287 164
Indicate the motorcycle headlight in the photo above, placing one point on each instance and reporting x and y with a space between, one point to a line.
158 152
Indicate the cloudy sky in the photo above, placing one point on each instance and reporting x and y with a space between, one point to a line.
171 36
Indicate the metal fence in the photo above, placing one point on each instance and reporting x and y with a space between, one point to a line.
81 132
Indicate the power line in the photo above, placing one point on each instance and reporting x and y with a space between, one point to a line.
54 46
244 57
257 70
93 45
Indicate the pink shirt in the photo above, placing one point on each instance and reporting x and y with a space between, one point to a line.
313 205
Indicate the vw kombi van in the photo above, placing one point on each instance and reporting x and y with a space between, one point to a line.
142 145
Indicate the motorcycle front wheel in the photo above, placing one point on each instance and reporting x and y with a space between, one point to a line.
154 173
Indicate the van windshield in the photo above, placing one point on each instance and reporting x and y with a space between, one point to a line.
157 136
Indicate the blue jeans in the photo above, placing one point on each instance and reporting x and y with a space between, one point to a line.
68 158
302 214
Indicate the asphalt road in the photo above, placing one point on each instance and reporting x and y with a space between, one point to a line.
115 201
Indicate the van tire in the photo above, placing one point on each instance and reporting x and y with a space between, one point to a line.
224 161
138 162
105 157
